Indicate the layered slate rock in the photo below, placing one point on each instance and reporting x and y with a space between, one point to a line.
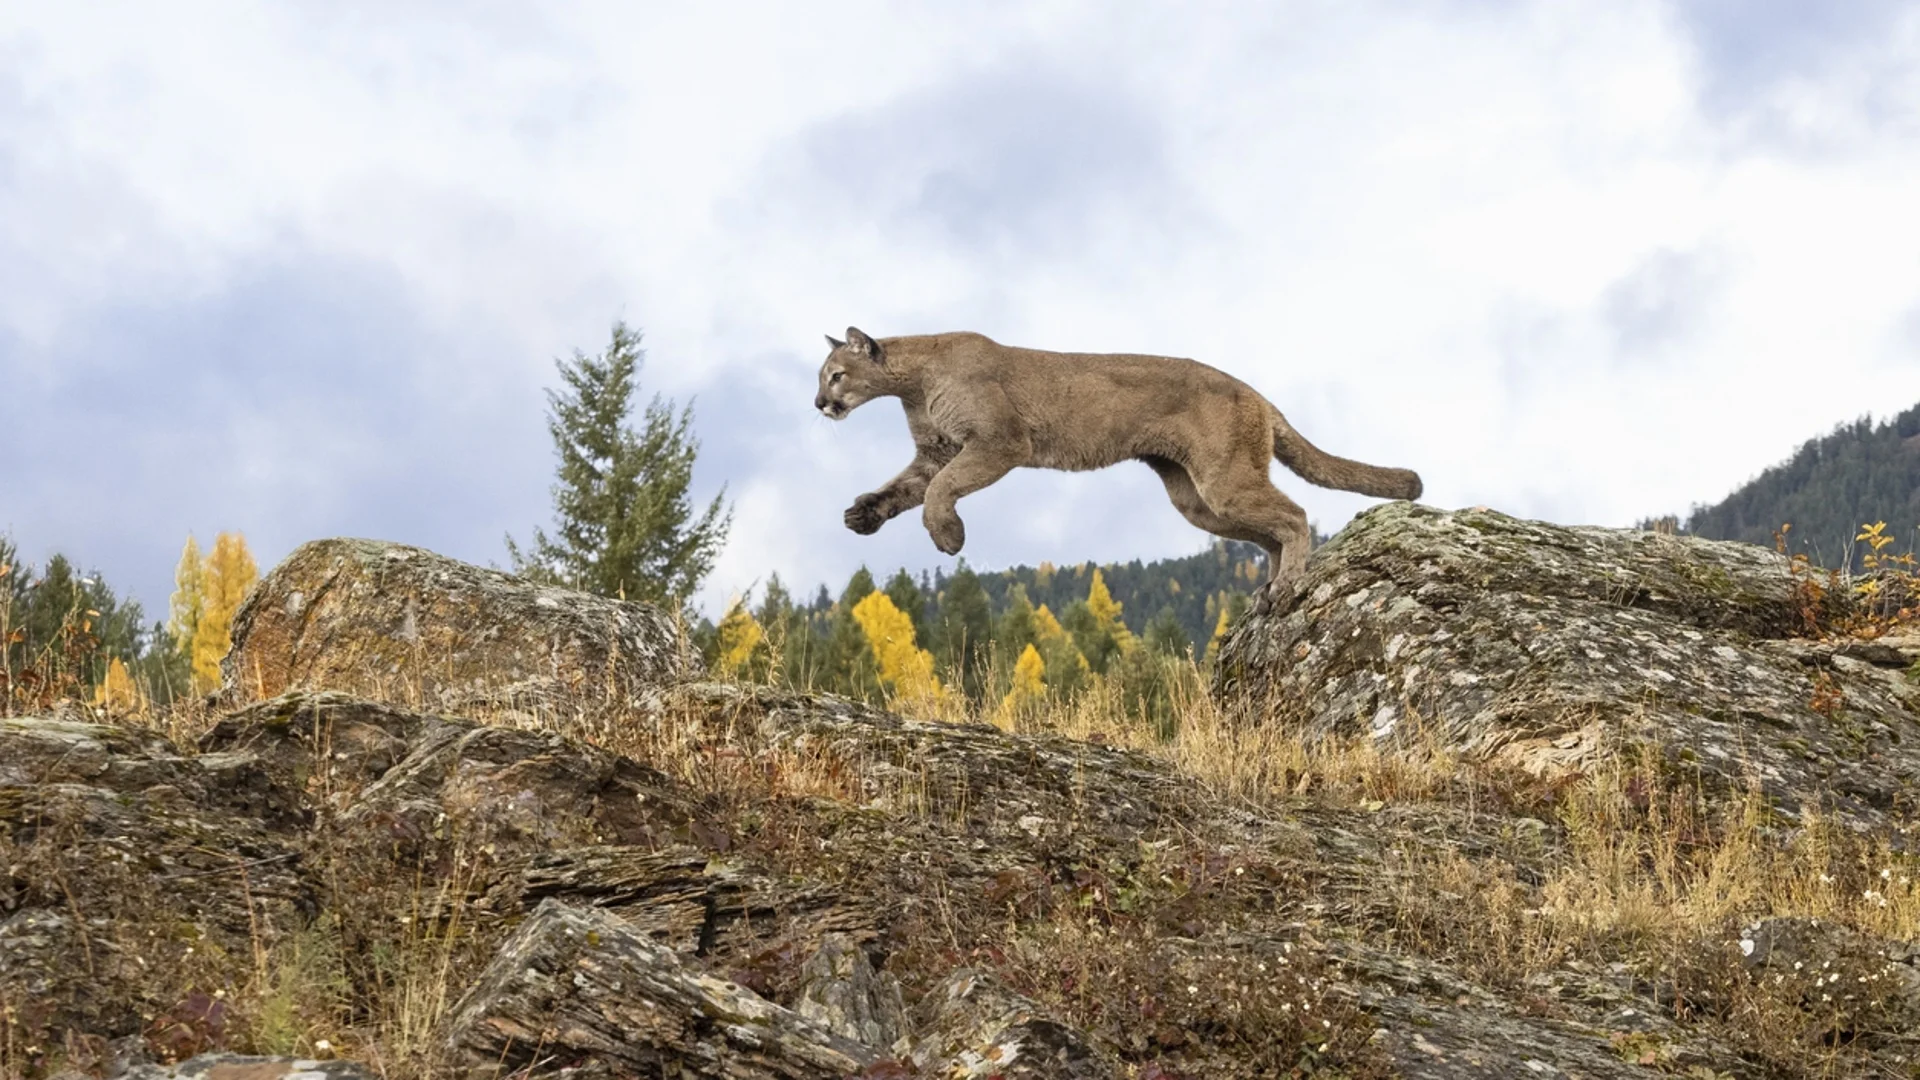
129 869
405 626
579 987
1550 648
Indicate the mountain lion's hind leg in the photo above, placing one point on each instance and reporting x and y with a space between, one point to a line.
1246 498
1186 499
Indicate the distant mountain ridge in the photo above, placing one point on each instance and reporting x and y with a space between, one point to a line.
1857 474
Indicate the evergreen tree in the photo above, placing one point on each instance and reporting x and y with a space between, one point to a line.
906 596
623 522
164 670
1016 628
965 631
849 666
1164 635
60 631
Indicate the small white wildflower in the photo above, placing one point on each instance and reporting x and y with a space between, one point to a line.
1746 946
323 1046
1886 875
1192 989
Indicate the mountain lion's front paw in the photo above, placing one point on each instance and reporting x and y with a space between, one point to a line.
949 535
864 516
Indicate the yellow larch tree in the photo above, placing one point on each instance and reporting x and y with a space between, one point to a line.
1029 682
117 691
739 635
905 668
230 573
1219 631
1106 612
189 598
1066 667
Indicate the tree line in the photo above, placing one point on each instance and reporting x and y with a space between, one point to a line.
993 643
66 635
1859 473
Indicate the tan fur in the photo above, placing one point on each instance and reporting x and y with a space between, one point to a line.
978 410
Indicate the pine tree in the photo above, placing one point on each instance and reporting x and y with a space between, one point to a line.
230 573
906 596
1164 635
624 524
1016 629
964 631
848 664
60 630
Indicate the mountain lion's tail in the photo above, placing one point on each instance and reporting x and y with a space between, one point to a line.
1317 466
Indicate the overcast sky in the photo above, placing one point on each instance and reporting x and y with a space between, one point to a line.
303 270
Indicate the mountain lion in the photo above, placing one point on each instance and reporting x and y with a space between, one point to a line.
978 410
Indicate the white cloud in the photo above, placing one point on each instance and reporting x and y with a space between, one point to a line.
1448 237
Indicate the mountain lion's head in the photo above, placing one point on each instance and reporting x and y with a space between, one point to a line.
854 373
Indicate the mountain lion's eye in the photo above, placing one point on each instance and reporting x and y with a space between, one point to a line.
837 376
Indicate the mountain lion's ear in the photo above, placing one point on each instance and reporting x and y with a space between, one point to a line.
835 342
861 343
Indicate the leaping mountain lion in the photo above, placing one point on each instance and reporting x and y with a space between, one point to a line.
978 409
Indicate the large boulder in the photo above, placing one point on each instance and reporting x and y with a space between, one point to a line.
1550 648
404 626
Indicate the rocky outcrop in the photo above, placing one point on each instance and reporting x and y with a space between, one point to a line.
1551 648
400 625
719 881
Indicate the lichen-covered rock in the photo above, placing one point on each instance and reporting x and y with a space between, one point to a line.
404 626
1549 647
1851 986
840 991
577 988
974 1027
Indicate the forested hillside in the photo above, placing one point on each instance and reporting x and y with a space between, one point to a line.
1858 474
